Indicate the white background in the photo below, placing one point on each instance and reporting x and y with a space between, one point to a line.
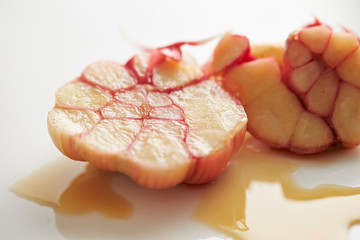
44 44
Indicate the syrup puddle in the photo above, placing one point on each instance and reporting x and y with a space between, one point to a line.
257 197
74 188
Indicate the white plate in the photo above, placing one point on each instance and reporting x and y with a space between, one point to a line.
44 44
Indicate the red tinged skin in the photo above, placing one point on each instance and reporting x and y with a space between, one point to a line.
335 59
223 59
157 118
307 108
163 120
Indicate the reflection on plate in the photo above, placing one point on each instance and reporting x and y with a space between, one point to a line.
263 194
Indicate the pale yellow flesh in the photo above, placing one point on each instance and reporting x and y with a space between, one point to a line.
304 77
321 96
329 90
250 80
155 137
349 69
78 94
297 54
276 115
340 45
109 74
273 116
312 134
315 38
222 57
268 50
304 117
170 74
346 115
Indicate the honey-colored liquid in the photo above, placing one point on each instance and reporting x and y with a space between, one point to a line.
256 197
74 188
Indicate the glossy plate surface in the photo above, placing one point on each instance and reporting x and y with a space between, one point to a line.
45 44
